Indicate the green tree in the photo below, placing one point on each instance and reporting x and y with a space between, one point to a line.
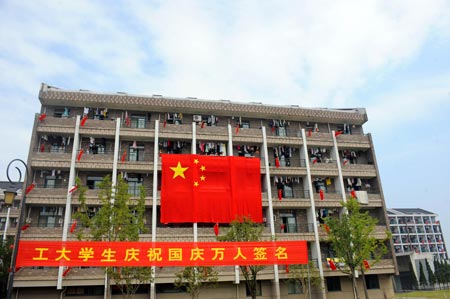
245 230
305 276
5 264
431 276
194 279
352 240
119 218
422 279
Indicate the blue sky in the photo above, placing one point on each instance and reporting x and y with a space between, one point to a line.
391 57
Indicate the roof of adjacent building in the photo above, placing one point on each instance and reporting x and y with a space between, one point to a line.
409 211
6 185
50 95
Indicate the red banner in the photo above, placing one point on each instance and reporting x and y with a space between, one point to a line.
145 254
210 189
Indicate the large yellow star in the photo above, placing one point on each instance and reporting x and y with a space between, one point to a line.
179 171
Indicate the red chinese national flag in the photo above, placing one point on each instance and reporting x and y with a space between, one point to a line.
210 189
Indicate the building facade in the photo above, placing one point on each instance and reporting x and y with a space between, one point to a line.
418 238
417 230
307 170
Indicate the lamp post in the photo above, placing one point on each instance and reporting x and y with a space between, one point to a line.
8 198
19 229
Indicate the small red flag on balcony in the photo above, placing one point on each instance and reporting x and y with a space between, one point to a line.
25 227
337 133
309 133
80 154
73 226
66 271
322 196
315 161
210 189
345 162
164 123
127 119
42 116
75 187
216 228
124 156
326 227
280 194
83 120
331 264
29 188
353 193
366 264
273 129
287 268
203 124
237 129
277 162
282 227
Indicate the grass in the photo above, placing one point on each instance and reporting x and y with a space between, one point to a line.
438 294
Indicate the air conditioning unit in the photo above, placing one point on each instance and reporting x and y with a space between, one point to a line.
197 118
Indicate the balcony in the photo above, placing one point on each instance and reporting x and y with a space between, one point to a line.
353 141
56 126
359 170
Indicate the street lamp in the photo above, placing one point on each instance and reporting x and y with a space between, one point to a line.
8 198
11 196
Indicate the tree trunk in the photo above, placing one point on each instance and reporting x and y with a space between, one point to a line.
355 286
366 293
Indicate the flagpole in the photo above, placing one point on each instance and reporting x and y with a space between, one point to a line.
230 153
269 196
154 203
71 184
194 151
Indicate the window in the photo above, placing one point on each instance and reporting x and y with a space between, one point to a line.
136 153
294 287
52 181
84 291
281 131
258 289
333 284
372 282
94 182
134 185
167 288
138 121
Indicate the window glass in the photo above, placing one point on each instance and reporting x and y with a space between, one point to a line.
333 284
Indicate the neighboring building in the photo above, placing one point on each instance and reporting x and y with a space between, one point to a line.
9 221
417 230
417 238
311 161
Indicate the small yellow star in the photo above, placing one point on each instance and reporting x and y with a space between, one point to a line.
202 168
202 178
179 171
195 184
196 161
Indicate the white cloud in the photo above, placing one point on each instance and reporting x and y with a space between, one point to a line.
311 53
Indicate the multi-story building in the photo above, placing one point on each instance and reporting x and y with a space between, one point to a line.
307 170
417 238
417 230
